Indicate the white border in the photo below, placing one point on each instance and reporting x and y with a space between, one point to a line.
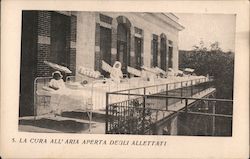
177 146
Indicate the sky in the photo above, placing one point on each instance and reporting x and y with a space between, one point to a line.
209 28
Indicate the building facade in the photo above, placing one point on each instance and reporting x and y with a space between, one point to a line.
134 39
74 39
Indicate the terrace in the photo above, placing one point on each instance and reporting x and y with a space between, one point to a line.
141 110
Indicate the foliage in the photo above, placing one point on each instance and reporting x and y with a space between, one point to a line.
214 62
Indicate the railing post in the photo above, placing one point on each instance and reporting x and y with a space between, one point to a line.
199 86
166 97
107 113
191 88
181 92
157 115
213 118
128 95
143 112
209 84
205 84
186 89
186 105
35 100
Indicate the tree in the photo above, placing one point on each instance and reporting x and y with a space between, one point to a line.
200 47
214 62
215 46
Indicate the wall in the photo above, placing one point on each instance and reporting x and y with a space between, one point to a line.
44 42
28 66
36 48
175 55
150 25
43 45
85 46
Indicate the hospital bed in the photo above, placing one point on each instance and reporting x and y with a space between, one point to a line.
52 102
91 96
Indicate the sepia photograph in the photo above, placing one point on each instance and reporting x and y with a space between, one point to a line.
124 79
138 73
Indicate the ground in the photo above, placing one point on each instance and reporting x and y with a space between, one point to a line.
79 123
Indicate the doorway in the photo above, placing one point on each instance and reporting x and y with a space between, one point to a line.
105 47
170 57
123 33
163 53
60 41
155 52
28 62
138 49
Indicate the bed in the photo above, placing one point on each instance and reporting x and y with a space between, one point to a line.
49 101
91 96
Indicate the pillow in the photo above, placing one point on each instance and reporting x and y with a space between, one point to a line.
46 88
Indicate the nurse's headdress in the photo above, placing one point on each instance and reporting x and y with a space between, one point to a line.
57 72
117 65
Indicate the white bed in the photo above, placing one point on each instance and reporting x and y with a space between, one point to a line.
92 96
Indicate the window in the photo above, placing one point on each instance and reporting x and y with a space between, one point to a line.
138 31
138 52
105 19
163 53
105 47
138 47
155 50
60 42
170 54
123 41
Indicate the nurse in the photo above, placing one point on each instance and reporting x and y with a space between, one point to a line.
116 72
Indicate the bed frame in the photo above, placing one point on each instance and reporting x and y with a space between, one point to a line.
42 102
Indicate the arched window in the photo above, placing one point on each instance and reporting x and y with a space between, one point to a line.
123 42
154 44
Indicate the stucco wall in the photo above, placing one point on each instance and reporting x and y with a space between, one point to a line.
86 26
85 47
175 56
150 25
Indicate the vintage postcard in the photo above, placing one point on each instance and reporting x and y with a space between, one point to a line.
124 79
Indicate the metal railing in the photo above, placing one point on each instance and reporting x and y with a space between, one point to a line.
41 102
179 89
142 111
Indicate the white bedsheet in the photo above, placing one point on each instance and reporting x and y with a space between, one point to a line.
93 95
68 99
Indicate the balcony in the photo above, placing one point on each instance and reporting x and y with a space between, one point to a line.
149 109
156 113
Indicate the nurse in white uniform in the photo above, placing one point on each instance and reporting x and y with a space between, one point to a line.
116 72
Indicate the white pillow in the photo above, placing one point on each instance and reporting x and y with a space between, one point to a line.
46 88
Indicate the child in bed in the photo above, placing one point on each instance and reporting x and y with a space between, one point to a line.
57 82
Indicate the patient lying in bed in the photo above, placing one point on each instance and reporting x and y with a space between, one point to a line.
66 99
57 82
